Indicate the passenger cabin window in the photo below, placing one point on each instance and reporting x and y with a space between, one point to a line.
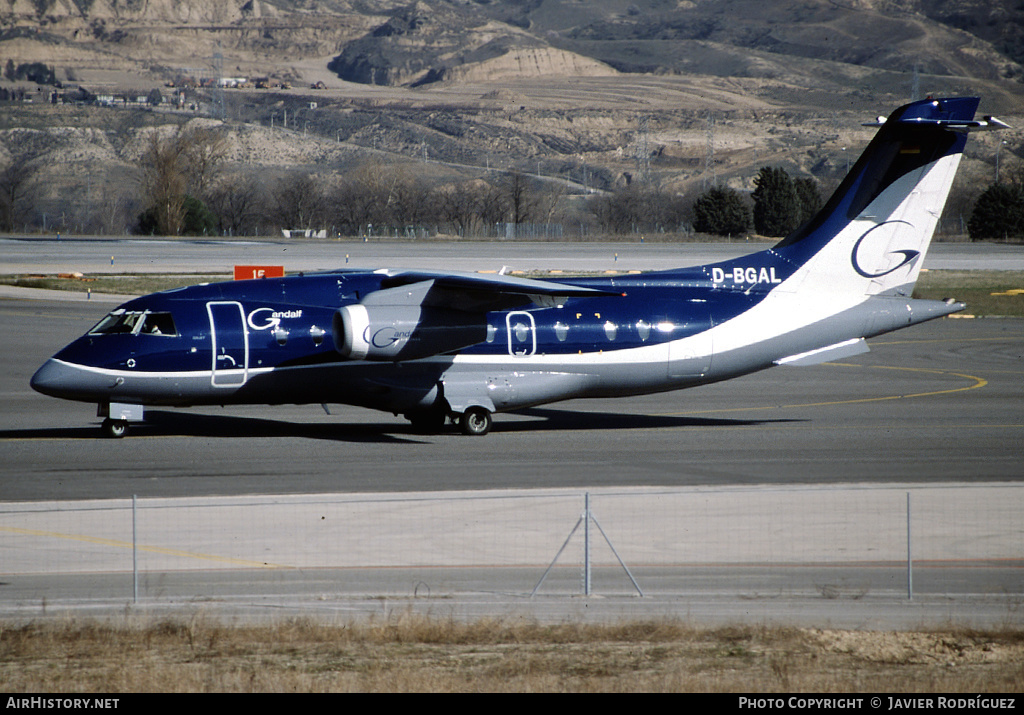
643 329
136 322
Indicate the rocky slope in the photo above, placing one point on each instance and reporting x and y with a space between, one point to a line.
425 41
592 93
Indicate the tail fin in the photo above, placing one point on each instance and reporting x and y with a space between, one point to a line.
872 235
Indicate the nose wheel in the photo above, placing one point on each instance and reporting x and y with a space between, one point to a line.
476 422
117 416
114 429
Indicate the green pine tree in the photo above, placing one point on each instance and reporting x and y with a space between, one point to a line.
809 198
776 204
998 213
721 211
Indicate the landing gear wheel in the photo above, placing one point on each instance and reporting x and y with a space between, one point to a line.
476 422
115 429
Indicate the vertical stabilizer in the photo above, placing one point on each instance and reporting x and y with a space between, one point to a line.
872 235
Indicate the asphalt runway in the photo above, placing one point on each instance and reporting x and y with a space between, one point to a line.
943 401
134 254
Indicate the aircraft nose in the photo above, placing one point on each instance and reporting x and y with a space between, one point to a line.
56 379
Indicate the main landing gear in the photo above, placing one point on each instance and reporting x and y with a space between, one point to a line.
475 421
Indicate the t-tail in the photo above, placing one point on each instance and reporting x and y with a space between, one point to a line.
872 235
849 272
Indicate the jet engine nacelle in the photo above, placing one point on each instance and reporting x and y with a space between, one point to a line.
400 332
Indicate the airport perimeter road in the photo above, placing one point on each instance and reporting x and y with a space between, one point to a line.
943 401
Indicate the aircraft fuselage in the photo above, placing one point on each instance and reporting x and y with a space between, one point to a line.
434 344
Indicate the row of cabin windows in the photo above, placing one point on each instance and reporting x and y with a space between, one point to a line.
521 331
161 323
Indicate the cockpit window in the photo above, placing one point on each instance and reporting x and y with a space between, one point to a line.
136 322
159 324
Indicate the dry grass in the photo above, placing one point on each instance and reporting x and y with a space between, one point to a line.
410 653
124 284
986 293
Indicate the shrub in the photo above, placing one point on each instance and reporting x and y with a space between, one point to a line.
998 213
721 211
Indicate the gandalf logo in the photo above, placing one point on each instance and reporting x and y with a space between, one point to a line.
266 322
385 337
909 255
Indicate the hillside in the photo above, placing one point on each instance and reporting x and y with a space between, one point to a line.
426 41
590 94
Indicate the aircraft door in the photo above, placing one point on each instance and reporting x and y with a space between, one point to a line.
230 341
691 356
522 333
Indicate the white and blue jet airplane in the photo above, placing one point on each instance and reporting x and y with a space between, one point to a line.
440 345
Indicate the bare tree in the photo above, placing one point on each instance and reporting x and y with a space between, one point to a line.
298 200
462 205
519 197
413 203
114 213
164 183
17 193
351 206
184 163
378 194
237 199
204 150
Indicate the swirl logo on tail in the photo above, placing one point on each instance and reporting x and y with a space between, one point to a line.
909 255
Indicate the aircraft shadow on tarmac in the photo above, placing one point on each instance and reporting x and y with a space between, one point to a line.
161 423
555 419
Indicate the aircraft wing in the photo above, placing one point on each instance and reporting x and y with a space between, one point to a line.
479 292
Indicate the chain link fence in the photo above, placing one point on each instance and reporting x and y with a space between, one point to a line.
515 539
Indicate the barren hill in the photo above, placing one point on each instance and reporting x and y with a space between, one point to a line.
594 94
424 41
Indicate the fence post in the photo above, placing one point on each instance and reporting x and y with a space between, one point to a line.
586 543
135 551
585 519
910 563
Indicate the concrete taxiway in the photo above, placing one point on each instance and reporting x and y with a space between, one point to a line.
937 409
939 402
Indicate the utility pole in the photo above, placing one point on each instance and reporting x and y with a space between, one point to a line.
218 89
709 155
643 155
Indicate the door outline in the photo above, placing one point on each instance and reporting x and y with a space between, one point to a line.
530 343
692 356
225 352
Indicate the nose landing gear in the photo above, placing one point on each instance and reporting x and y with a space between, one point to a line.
114 429
118 415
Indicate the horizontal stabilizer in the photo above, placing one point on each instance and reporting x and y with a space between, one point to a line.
987 124
845 349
